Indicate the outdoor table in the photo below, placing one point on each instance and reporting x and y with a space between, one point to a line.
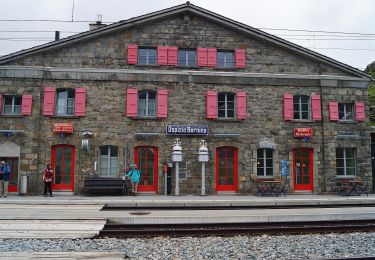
271 187
354 186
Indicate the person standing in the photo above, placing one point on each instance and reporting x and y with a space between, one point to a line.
4 179
47 179
134 174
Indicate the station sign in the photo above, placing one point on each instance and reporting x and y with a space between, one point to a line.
186 130
303 132
66 128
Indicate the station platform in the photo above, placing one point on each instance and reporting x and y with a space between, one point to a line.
84 217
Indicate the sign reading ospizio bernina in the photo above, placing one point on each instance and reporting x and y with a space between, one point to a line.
186 130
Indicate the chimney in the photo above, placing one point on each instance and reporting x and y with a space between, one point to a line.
57 35
98 23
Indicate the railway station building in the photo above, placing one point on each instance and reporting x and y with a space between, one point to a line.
91 103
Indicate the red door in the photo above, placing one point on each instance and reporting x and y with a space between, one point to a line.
146 158
303 169
226 169
63 164
13 182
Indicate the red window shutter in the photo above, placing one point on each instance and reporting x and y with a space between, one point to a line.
1 103
80 102
240 58
333 110
202 56
288 107
316 108
211 57
132 54
27 105
241 105
162 111
212 104
131 102
162 55
172 55
49 101
360 111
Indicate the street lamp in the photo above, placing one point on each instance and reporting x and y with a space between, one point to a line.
203 158
177 158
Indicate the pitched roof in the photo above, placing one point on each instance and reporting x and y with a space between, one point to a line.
183 8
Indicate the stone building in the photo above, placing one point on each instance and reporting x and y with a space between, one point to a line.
122 93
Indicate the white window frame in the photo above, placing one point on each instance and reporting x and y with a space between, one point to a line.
147 56
264 159
226 105
187 61
147 107
300 115
344 107
345 158
227 63
109 160
14 109
65 105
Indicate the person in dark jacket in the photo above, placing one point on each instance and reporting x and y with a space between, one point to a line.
47 179
4 179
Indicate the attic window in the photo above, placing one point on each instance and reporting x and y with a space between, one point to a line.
147 56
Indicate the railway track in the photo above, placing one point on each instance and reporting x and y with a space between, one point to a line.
233 229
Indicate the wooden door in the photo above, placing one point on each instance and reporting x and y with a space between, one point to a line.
226 169
303 169
146 158
63 158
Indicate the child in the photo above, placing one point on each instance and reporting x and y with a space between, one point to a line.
135 174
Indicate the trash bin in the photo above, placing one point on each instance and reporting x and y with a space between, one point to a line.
23 185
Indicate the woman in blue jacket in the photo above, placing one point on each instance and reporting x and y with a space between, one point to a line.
134 174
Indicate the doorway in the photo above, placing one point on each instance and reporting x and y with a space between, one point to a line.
303 169
226 169
63 164
146 158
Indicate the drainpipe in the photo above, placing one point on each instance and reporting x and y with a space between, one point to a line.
323 133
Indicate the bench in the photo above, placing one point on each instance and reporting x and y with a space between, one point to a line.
274 186
103 185
351 186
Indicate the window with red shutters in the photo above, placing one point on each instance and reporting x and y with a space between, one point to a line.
131 102
240 58
172 55
162 55
360 111
132 54
212 103
162 103
202 57
241 105
80 102
288 107
316 108
333 111
27 104
211 57
49 101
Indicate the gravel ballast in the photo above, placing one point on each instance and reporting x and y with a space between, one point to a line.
239 247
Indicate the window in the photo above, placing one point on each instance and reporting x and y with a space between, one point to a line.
226 105
109 161
147 103
345 161
65 102
147 56
301 107
186 57
12 105
225 59
265 162
346 111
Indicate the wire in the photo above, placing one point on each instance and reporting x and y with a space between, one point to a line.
316 31
332 39
31 31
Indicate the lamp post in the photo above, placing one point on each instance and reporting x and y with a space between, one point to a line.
177 158
203 158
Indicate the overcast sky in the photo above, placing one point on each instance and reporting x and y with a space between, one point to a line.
351 16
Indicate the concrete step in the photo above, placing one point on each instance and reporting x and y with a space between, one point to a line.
62 255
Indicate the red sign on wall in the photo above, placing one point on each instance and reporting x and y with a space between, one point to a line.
302 132
63 128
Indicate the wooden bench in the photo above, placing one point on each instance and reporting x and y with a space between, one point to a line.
103 185
351 186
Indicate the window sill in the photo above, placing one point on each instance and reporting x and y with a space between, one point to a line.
345 176
347 122
148 65
303 121
147 118
187 67
228 119
12 116
64 116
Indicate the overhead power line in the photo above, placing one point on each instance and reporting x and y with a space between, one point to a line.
316 31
